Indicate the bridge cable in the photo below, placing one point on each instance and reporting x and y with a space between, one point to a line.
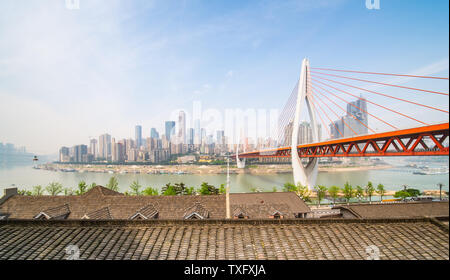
380 83
337 115
382 94
351 104
371 102
385 74
354 117
323 111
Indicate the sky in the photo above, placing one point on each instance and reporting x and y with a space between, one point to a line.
70 74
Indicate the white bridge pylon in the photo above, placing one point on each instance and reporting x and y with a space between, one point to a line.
239 162
304 175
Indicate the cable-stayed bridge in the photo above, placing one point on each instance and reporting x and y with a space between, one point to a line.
321 93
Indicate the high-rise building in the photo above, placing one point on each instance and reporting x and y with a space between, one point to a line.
104 146
93 149
79 153
138 136
220 137
154 133
197 132
114 154
118 154
191 136
305 135
355 122
64 154
170 129
181 127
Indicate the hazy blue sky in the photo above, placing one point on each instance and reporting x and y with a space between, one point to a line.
66 74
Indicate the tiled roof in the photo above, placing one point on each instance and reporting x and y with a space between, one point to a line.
196 211
264 211
147 212
395 239
120 206
396 210
258 205
59 212
101 214
239 211
288 202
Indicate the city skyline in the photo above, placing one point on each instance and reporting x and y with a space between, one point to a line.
177 139
67 74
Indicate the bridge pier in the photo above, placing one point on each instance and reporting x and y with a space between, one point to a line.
304 175
239 162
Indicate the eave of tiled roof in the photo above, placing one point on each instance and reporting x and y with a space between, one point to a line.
101 214
397 210
56 212
226 239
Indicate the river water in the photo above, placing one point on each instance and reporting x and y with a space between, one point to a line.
20 173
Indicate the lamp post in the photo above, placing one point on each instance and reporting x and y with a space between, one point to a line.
228 189
440 191
35 160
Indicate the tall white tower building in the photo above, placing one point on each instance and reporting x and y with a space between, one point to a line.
181 127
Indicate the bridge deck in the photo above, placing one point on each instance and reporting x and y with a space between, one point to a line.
420 141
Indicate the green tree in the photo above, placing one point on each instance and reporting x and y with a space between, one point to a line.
24 192
207 189
321 192
38 190
289 187
381 191
370 191
333 191
413 192
169 189
359 193
135 188
113 184
68 191
402 194
222 189
303 192
348 192
91 186
181 188
190 191
150 191
82 188
54 188
274 189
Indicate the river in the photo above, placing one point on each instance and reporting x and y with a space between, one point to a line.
21 173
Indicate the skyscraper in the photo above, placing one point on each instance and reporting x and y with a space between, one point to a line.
170 129
220 137
138 136
191 136
104 146
93 149
356 118
197 132
79 153
64 154
114 154
154 133
181 127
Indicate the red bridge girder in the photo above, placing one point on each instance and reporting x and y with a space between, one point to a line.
420 141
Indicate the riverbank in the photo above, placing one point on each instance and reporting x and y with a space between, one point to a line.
197 169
